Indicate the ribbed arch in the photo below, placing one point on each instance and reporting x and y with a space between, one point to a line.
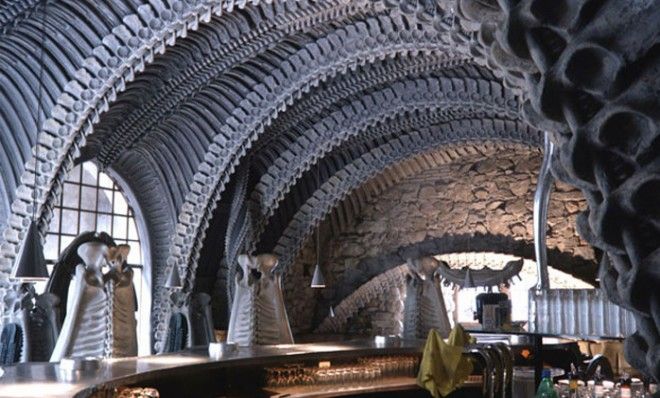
80 101
276 81
95 57
340 92
389 109
454 134
90 82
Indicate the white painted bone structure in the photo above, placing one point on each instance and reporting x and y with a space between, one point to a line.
424 307
258 315
100 320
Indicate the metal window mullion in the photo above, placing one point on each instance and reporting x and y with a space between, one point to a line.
59 226
128 211
98 197
79 199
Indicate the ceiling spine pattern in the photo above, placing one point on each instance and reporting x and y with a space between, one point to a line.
339 186
296 76
265 81
422 96
78 104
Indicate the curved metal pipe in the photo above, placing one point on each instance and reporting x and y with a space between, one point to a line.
488 390
506 359
541 200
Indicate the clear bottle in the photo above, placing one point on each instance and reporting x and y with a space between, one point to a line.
609 389
573 382
599 389
546 388
625 386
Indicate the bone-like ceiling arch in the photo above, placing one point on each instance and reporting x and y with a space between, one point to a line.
79 84
370 164
538 47
487 98
372 109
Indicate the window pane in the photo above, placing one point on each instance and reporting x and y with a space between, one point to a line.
51 251
120 204
132 230
105 181
70 195
70 222
88 200
87 221
104 223
89 173
55 221
105 200
137 282
135 255
74 174
66 241
119 227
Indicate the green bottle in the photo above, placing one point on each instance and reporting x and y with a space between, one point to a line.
546 388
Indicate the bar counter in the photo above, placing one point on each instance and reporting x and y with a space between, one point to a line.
193 366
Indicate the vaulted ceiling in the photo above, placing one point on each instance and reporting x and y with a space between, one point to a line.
259 118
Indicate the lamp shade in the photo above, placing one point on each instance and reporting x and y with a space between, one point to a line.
174 279
30 265
318 281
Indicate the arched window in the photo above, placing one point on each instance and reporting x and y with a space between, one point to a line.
92 201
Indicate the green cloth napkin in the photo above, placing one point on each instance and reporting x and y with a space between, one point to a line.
443 367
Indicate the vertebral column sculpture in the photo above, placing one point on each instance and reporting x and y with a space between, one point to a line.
100 320
258 315
424 307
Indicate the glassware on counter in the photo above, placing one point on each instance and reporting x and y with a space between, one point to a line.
577 312
367 371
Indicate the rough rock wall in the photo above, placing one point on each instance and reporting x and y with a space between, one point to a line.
475 195
374 308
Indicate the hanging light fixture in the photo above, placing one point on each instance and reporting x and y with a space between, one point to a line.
174 279
318 280
30 265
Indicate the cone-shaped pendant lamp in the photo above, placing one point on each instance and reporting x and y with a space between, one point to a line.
30 265
174 279
318 281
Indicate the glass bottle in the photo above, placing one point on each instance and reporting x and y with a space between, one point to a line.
573 382
546 388
625 388
599 390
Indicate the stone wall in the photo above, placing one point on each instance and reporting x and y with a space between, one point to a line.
492 196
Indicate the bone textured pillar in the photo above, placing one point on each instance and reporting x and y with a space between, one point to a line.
424 307
258 314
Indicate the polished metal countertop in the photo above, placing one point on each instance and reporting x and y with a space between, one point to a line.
47 380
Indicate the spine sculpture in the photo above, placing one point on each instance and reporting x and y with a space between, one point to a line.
258 315
100 319
424 307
